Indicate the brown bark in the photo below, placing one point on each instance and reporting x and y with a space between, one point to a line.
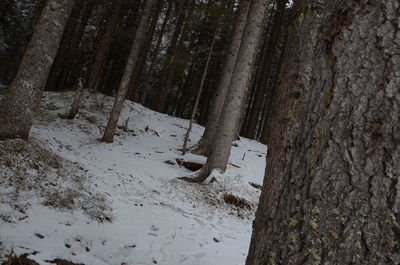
232 111
224 81
251 128
18 108
130 65
152 67
65 45
331 193
165 76
143 54
70 63
105 45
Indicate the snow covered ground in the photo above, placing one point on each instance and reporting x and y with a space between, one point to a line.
121 203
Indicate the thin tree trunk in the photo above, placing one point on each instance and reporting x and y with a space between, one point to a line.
162 87
18 108
79 93
223 83
143 54
69 67
152 67
133 57
331 193
251 128
105 45
232 111
250 98
185 143
65 45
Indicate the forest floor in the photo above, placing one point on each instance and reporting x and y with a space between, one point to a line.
64 194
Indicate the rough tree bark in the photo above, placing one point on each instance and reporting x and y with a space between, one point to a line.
207 139
251 128
331 193
232 111
140 37
18 108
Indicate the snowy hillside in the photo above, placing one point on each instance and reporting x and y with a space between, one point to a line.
64 194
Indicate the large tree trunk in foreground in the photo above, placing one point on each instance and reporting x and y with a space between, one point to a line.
130 66
331 193
232 111
18 108
207 139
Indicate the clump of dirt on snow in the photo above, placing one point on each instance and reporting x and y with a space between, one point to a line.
31 174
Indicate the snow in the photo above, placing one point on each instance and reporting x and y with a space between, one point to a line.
155 218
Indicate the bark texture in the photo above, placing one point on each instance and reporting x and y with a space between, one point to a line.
231 113
331 192
140 38
18 108
224 81
265 71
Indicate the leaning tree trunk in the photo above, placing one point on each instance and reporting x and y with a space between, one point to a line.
331 193
232 111
18 108
207 139
130 66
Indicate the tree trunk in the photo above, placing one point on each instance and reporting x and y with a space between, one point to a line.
331 193
65 45
194 110
162 87
261 59
232 111
251 128
80 84
18 108
143 54
223 84
152 67
130 65
69 66
104 47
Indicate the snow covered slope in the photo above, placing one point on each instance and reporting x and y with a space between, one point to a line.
121 203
